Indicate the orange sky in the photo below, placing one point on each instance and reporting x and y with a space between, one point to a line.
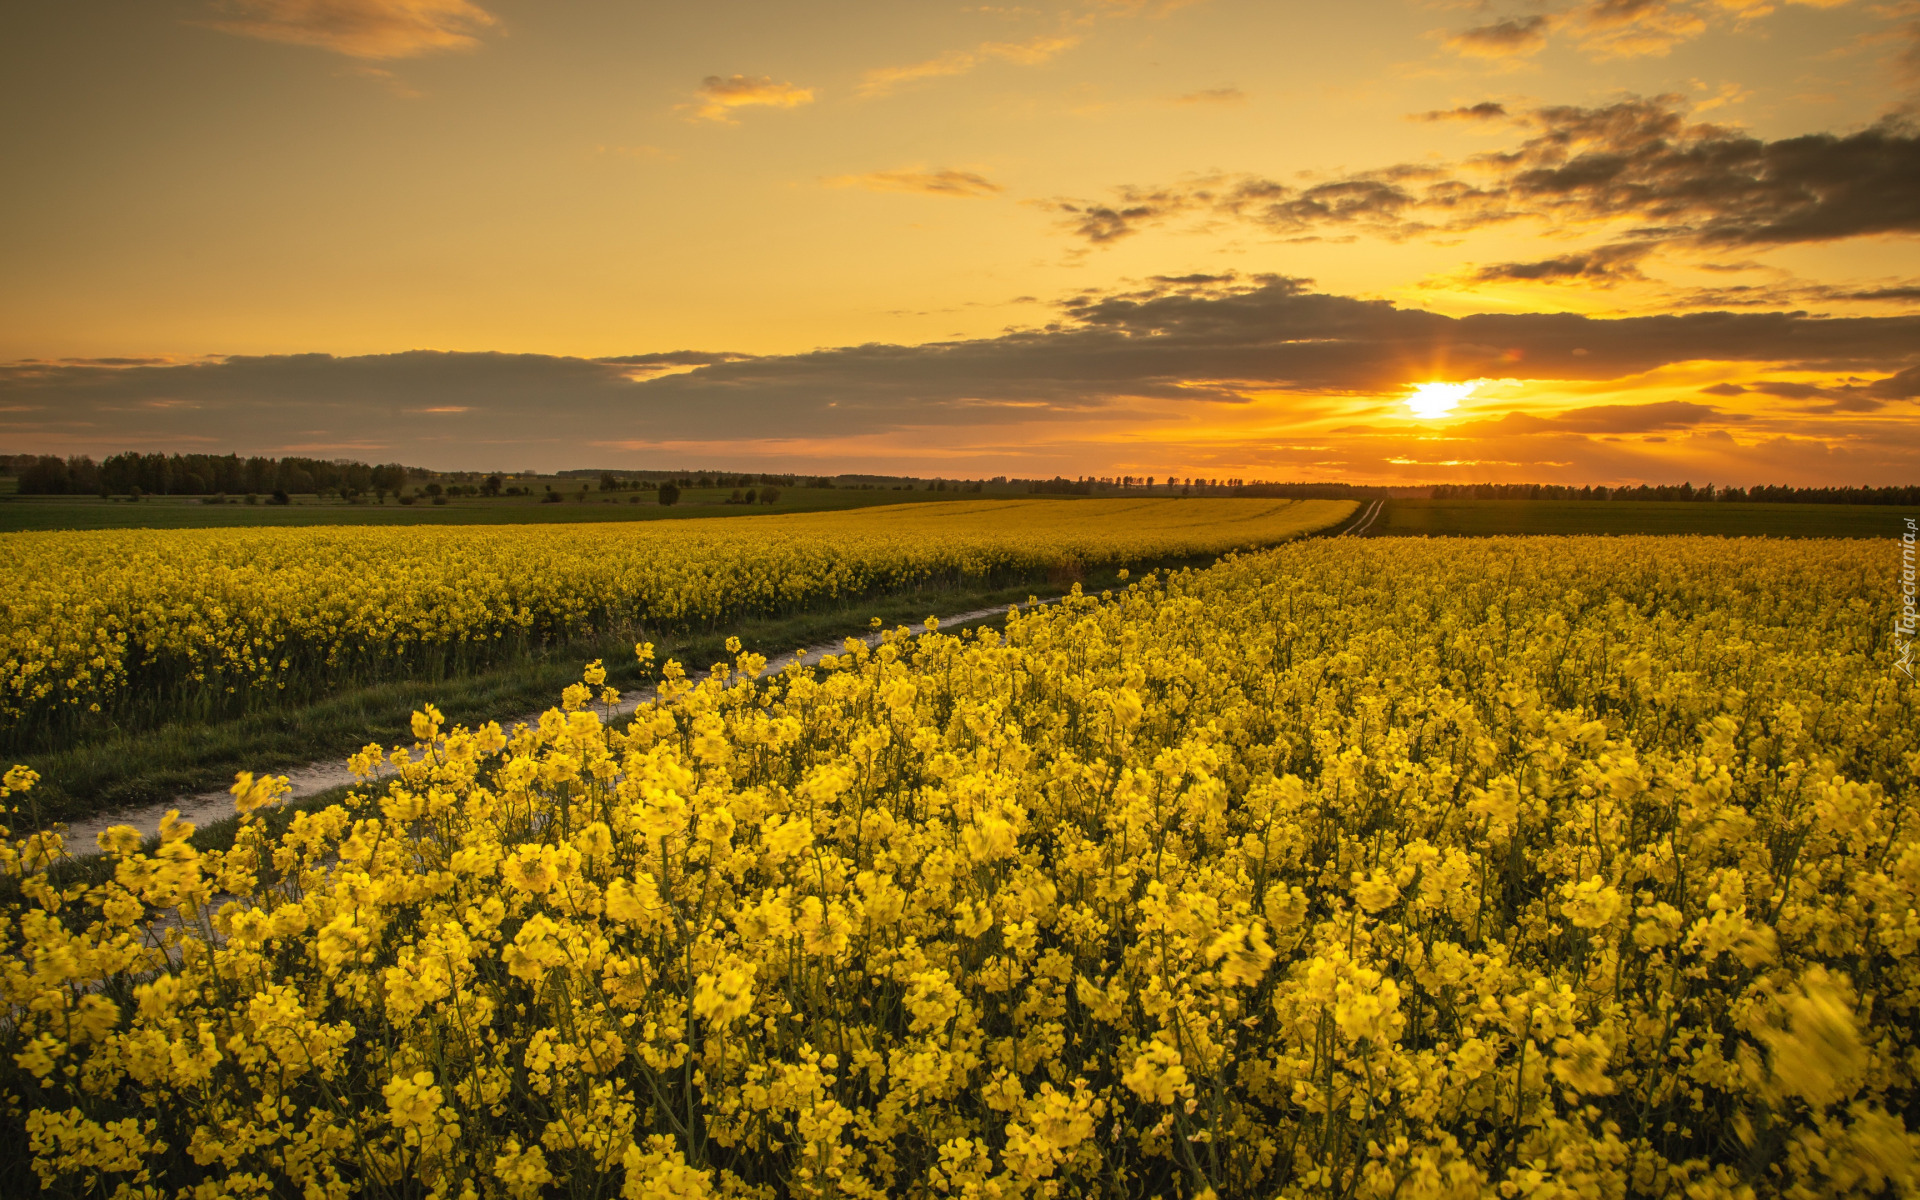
1100 237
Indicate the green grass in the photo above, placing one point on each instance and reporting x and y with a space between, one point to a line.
1484 518
19 513
125 769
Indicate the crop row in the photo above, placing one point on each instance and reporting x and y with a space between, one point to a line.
131 623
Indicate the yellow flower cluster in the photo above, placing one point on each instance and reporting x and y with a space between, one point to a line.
1390 870
189 616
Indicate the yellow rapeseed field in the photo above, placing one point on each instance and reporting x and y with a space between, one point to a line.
1385 869
180 620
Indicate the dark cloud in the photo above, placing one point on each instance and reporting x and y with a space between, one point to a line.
1181 340
1637 160
1134 210
1502 39
1847 398
1885 293
1603 267
1614 419
1902 386
1787 294
1787 390
1486 110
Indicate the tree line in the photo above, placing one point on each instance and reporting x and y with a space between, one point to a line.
133 474
1683 492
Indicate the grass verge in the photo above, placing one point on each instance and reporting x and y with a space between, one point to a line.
23 513
1488 518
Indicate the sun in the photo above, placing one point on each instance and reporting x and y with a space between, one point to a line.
1438 399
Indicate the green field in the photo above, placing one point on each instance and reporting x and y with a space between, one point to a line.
1486 518
18 513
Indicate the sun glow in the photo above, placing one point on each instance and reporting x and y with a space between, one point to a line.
1438 399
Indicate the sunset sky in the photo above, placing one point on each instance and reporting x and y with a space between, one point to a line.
1652 240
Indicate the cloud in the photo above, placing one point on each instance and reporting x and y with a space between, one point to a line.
1911 292
1032 52
1180 352
1607 29
1634 28
1638 160
1636 163
1503 39
926 183
1605 266
1486 110
1902 386
1219 95
719 96
1608 419
1134 210
368 29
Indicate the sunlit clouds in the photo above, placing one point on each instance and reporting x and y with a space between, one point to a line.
1502 39
1604 30
926 183
368 29
1032 52
1263 377
722 96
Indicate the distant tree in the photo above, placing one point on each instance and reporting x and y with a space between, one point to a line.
434 489
390 477
493 485
607 482
753 496
669 493
769 494
280 496
45 477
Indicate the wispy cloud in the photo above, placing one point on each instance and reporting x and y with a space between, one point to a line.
366 29
1607 29
1502 39
1032 52
719 96
926 183
1219 95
